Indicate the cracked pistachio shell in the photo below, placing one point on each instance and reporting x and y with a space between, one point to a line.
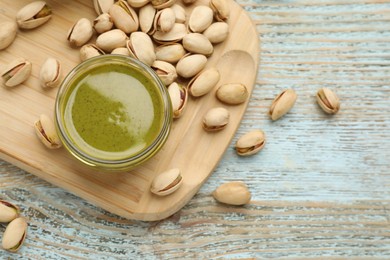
124 17
282 104
204 82
200 19
328 101
180 13
164 20
111 40
167 182
171 52
102 6
138 3
141 47
197 43
121 51
16 72
161 4
46 132
50 73
14 234
90 50
232 193
7 34
146 18
33 15
221 9
176 34
103 23
165 71
179 96
232 93
250 143
217 32
216 119
80 33
190 65
8 211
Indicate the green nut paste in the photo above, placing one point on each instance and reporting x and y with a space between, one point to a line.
113 112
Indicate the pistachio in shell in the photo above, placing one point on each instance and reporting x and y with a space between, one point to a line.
176 34
102 6
282 104
15 234
215 119
328 101
180 13
121 51
124 17
90 50
16 72
146 16
167 182
7 33
161 4
8 211
197 43
80 33
141 47
165 71
221 9
111 40
232 93
103 23
204 82
190 65
200 19
233 193
50 73
171 52
250 143
33 15
138 3
46 132
217 32
179 96
164 20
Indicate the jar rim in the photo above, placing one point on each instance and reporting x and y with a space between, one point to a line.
136 158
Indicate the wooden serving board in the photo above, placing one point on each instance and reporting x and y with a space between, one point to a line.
189 147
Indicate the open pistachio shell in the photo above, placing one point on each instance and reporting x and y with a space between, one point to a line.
16 72
250 143
328 101
8 211
146 16
176 34
200 19
50 73
7 34
80 33
179 96
171 52
15 234
141 47
282 104
164 20
165 71
103 23
216 119
46 132
33 15
167 182
204 82
124 17
233 193
190 65
90 50
221 9
217 32
111 40
232 93
102 6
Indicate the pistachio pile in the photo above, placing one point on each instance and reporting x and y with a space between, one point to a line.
16 230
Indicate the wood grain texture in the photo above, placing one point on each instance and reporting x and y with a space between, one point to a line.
321 186
125 193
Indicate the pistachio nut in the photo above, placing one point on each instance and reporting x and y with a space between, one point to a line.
33 15
201 17
164 20
171 52
216 119
176 34
141 47
16 72
8 211
203 82
124 17
190 65
121 51
197 43
232 193
103 23
161 4
102 6
14 234
282 104
80 33
7 34
221 9
180 13
90 50
111 40
165 71
50 73
138 3
167 182
46 132
232 93
146 16
250 143
328 101
179 96
217 32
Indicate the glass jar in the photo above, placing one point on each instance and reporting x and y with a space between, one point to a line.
112 112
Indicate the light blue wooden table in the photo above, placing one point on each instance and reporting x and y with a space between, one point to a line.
321 186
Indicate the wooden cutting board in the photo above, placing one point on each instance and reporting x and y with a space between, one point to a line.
189 147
